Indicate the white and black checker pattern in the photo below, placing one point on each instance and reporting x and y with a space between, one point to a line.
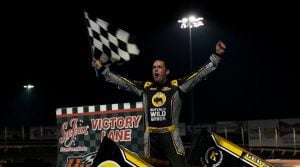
93 140
137 141
97 108
110 44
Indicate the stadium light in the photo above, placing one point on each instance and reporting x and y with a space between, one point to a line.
28 86
191 22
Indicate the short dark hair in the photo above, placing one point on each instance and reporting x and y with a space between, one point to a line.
163 59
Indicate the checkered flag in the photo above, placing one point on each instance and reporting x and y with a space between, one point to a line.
108 44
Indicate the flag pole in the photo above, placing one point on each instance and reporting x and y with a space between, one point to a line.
90 42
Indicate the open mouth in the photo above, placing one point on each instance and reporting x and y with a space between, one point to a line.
156 75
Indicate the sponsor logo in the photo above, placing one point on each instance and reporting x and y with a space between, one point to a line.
109 163
86 160
166 89
254 159
69 132
158 114
213 157
158 99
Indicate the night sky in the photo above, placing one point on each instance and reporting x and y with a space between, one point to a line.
46 44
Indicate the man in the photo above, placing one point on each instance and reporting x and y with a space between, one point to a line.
162 100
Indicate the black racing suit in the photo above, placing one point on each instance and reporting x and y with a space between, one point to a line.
162 104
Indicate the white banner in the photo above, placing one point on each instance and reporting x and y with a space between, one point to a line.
45 132
262 132
289 132
280 133
231 126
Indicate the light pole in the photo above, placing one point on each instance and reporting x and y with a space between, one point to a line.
191 22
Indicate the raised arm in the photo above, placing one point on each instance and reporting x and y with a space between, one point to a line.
189 82
124 83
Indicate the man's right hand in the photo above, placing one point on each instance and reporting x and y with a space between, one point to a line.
220 48
96 64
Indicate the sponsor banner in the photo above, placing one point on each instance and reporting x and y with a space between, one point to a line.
80 131
11 133
274 133
231 126
262 133
289 132
45 132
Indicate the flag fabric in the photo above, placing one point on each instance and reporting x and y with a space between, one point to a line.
109 44
114 154
210 149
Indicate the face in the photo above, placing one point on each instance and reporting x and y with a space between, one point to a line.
159 71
